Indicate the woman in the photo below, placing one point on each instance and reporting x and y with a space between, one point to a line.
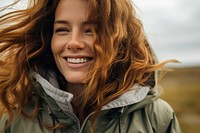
79 66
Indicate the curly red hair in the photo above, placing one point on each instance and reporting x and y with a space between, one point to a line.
123 54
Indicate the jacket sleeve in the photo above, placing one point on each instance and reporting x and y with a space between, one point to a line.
163 118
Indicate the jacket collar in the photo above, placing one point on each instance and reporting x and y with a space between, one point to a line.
136 94
63 99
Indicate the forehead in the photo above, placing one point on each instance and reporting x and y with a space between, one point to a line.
71 6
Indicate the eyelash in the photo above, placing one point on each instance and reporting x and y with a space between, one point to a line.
88 31
62 30
66 30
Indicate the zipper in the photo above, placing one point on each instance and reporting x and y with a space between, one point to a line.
84 122
83 125
74 117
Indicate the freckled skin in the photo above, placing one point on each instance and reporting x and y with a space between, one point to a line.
73 37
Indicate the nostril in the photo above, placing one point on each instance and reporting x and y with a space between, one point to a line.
75 45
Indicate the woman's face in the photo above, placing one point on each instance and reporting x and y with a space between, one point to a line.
73 40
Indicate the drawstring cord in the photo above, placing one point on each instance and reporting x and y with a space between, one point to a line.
54 122
119 119
53 118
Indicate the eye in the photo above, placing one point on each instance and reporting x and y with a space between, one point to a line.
62 30
88 31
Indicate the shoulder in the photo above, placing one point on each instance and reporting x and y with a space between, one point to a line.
161 116
21 124
160 107
151 116
18 124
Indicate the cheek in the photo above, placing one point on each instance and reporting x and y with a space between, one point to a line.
56 46
53 43
90 43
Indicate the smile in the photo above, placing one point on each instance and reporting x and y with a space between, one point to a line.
78 60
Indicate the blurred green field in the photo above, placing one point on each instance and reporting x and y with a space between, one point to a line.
181 89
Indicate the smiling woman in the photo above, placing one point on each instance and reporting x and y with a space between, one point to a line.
79 66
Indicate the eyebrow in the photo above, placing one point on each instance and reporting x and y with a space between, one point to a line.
61 22
67 22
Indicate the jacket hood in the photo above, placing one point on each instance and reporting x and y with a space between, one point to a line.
138 96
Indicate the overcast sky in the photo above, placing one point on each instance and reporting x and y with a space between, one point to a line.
172 27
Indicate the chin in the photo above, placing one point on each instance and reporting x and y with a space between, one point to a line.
75 80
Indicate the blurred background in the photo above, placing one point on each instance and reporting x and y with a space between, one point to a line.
173 29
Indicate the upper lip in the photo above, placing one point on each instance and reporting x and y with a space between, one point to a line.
77 56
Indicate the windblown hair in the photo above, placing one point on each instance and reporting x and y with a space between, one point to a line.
25 38
123 55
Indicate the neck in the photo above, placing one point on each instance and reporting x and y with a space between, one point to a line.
78 92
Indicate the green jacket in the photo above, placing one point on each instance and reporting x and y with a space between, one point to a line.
137 111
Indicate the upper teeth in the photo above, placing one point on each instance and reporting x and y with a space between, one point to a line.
77 60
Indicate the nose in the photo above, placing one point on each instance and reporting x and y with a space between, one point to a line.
75 42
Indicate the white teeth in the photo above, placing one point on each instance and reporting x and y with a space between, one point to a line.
77 60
